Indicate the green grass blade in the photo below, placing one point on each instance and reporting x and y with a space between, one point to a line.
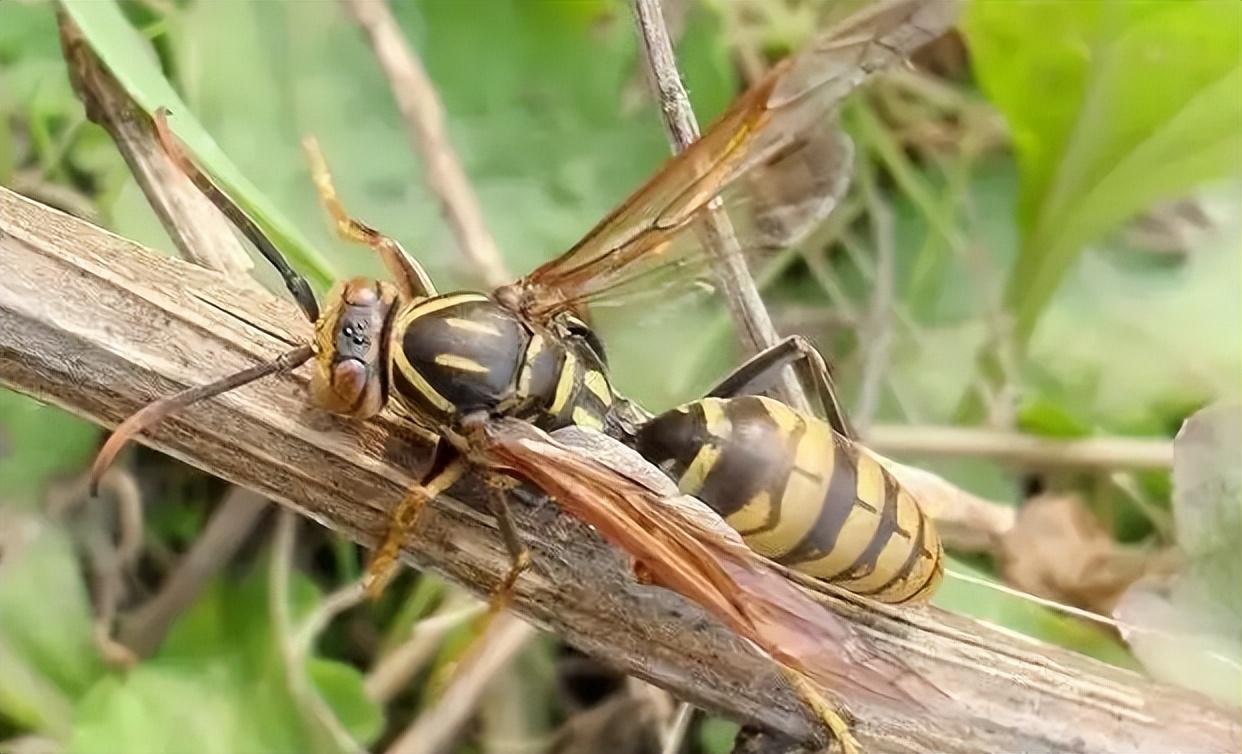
130 60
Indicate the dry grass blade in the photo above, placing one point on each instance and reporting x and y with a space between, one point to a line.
424 117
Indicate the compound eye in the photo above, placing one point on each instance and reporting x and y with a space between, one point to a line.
349 380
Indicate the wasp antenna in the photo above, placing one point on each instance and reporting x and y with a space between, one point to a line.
153 413
297 285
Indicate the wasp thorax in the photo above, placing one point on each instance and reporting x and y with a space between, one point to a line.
350 338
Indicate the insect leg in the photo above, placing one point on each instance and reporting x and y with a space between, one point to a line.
824 709
812 370
446 468
519 556
407 273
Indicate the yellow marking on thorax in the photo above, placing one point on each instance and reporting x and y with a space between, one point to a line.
460 363
584 418
402 364
714 418
597 383
564 385
471 325
435 304
423 307
533 350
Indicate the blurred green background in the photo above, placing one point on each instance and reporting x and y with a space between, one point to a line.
1062 182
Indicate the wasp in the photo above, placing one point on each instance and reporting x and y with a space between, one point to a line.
469 367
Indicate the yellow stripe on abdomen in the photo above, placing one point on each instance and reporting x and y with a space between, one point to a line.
801 500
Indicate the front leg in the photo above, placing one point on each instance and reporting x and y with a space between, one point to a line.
447 466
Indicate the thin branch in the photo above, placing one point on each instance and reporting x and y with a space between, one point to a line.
396 669
436 727
1025 451
674 737
423 114
340 600
877 334
126 325
750 316
224 534
292 653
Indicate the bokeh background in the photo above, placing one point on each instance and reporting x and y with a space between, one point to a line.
1061 181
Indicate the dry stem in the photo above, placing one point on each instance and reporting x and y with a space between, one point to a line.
433 730
1027 451
97 325
424 118
197 229
750 316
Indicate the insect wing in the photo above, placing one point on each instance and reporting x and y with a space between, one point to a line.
722 576
778 136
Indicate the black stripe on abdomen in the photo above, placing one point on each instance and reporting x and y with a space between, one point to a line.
836 506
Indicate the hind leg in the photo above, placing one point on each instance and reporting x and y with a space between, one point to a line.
812 370
825 710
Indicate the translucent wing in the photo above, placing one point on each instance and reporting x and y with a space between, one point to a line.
774 157
677 550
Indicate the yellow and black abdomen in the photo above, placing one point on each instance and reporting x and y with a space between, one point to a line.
461 353
799 494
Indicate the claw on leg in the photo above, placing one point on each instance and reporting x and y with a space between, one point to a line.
519 557
825 710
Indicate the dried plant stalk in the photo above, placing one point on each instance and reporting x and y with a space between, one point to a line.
98 325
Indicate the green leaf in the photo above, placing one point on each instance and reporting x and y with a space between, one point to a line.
129 58
342 689
1042 416
1112 106
1189 631
228 631
717 735
160 707
1133 348
45 623
38 442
